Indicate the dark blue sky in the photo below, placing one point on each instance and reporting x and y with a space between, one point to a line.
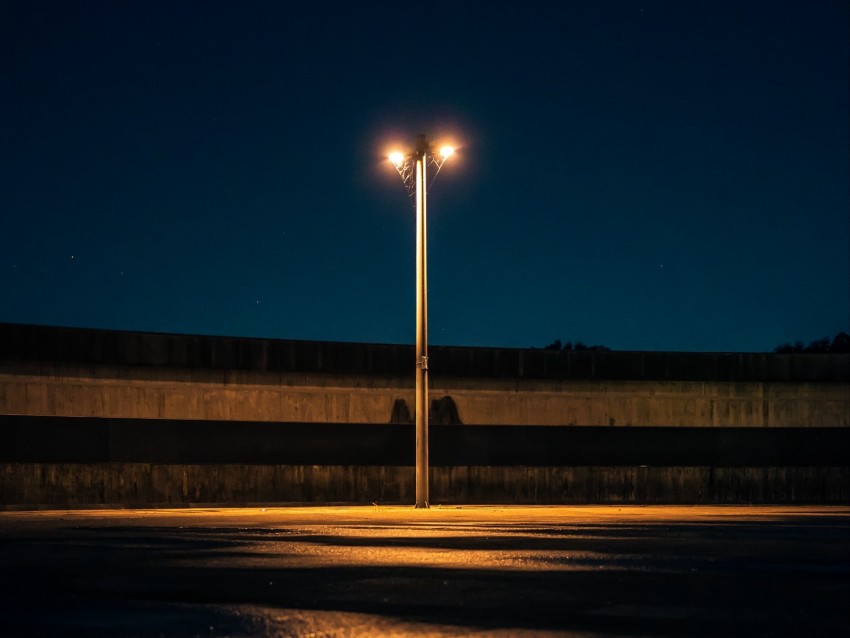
642 175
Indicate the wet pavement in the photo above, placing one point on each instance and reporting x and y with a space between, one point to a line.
454 571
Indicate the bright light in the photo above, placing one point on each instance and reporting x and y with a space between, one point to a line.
397 158
447 151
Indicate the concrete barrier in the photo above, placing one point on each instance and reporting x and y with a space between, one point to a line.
28 485
96 417
70 372
49 461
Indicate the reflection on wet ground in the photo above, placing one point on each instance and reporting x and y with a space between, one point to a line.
352 571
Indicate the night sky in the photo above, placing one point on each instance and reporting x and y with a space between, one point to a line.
658 175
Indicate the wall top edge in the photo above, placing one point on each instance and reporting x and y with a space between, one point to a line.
48 344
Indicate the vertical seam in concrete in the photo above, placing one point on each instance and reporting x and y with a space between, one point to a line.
765 407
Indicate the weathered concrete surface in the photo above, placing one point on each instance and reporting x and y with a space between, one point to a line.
64 389
75 372
62 460
367 571
34 485
90 374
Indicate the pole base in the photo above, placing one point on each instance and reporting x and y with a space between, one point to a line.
422 506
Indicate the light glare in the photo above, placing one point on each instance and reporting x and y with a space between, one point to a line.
447 151
396 158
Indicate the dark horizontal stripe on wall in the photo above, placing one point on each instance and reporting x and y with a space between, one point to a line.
91 440
653 446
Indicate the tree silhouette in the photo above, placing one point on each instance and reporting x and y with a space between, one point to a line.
556 345
841 343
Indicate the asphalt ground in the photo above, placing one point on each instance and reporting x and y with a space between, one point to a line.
395 571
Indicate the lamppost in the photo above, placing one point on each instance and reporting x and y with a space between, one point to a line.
413 168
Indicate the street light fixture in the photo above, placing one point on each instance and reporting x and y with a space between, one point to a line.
412 167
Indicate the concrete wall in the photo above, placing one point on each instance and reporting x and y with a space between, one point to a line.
27 485
156 393
621 427
63 372
124 392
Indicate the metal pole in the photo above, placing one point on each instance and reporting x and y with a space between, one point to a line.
421 333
